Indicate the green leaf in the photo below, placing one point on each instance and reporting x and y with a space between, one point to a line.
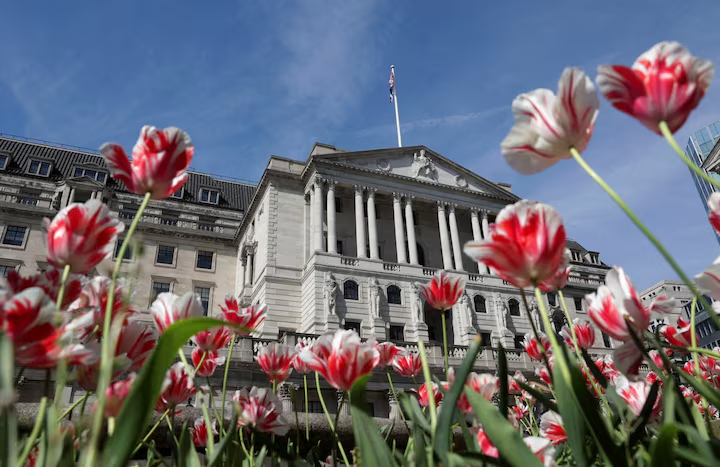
541 396
8 419
662 451
449 407
220 447
712 395
473 459
638 431
414 412
573 419
373 451
502 372
187 457
502 434
140 403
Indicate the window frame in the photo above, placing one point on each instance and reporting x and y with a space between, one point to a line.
210 191
345 290
475 303
4 231
96 169
7 160
40 162
174 255
577 300
396 327
116 251
182 193
213 263
510 307
354 325
198 285
484 342
399 294
11 265
159 280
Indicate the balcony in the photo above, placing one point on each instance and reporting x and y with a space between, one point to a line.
166 221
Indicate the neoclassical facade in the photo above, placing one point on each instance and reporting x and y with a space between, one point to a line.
341 240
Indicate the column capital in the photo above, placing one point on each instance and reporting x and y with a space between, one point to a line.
358 189
484 213
441 205
409 200
398 196
330 182
370 192
451 207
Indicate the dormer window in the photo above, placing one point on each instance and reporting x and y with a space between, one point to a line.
41 168
97 175
209 196
4 159
576 255
178 194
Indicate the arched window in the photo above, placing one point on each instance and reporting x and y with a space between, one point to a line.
394 295
350 290
551 299
514 306
479 301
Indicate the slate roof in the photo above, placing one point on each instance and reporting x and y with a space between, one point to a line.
233 195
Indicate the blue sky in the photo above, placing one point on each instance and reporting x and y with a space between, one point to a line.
251 79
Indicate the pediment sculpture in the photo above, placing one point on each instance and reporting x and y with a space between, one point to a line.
423 166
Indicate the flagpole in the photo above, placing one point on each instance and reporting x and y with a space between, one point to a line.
397 114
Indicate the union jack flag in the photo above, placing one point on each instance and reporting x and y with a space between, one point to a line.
392 84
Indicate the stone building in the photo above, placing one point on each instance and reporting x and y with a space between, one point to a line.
341 240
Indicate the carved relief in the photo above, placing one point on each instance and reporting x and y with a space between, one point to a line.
384 165
423 166
461 182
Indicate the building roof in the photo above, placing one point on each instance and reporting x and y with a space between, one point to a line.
233 195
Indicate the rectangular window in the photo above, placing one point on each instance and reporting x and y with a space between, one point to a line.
338 204
204 259
606 340
165 254
158 288
578 303
397 333
128 252
95 174
204 294
209 196
28 197
354 325
519 340
14 235
5 270
340 247
3 161
39 168
485 339
315 407
178 194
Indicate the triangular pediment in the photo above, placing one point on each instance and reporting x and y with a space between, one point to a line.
418 163
85 182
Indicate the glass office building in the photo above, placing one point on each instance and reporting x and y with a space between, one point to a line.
698 148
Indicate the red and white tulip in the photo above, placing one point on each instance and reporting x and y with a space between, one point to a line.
552 428
534 348
206 361
424 396
561 276
81 236
615 305
248 319
200 432
92 302
276 361
526 244
116 394
341 358
636 393
261 409
387 351
169 308
664 84
547 126
159 164
213 339
714 211
679 336
178 388
584 331
443 291
407 364
49 281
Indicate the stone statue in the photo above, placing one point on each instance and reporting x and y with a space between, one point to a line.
501 311
416 303
330 288
466 308
534 313
374 297
422 165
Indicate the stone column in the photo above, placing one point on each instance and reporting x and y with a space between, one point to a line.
283 391
486 232
332 235
248 268
394 406
455 236
372 225
71 198
359 222
444 237
399 232
345 409
410 226
307 218
477 234
318 218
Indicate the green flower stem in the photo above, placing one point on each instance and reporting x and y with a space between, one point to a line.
560 362
208 424
700 350
445 346
676 267
224 385
536 332
693 335
108 346
307 409
211 399
329 419
61 371
430 391
61 292
692 165
34 433
72 407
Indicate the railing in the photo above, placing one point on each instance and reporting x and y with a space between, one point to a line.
27 198
259 344
429 271
391 266
475 277
170 220
349 261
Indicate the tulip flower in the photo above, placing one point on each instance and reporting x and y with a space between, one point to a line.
535 349
276 361
443 292
169 308
261 409
249 319
407 364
